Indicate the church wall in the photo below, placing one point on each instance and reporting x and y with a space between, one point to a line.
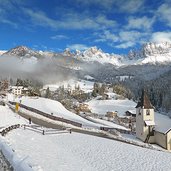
141 129
160 139
139 124
169 140
148 117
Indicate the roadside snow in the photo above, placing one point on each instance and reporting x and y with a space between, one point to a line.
107 123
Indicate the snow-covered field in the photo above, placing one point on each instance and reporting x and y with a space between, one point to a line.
75 152
103 106
86 86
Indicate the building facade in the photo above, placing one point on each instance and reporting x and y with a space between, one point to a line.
146 129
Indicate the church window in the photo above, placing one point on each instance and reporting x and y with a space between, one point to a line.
139 111
147 112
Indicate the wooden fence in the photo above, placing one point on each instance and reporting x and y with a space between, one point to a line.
117 129
47 115
41 130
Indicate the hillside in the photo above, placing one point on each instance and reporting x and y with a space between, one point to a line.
94 153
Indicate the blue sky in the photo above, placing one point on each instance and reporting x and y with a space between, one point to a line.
115 26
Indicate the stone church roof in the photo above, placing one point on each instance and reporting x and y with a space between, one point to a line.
144 101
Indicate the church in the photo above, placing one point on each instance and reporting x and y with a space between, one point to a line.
147 129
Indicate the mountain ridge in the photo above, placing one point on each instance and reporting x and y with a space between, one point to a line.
149 53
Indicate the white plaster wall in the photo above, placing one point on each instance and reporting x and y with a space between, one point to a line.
160 139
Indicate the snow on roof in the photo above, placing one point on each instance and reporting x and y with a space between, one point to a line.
17 87
149 123
163 123
89 77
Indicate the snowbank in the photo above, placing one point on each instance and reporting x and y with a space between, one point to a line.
17 163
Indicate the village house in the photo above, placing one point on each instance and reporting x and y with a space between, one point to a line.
111 114
19 90
148 129
130 113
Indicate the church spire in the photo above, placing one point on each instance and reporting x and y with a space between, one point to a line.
144 101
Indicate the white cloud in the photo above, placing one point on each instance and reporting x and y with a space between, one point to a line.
107 36
164 11
103 21
129 35
140 23
161 37
78 47
70 21
130 6
125 45
10 8
5 8
131 38
59 37
107 4
123 39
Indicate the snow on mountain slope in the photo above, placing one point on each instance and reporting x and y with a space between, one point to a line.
153 53
2 52
156 59
22 51
94 54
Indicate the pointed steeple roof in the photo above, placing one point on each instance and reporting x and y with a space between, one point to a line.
144 101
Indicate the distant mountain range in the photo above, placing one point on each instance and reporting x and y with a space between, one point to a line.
149 67
150 53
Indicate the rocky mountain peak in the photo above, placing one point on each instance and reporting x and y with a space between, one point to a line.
92 51
22 51
149 49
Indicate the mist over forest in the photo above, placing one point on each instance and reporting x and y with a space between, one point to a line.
45 70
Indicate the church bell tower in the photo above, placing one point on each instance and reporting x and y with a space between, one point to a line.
145 119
